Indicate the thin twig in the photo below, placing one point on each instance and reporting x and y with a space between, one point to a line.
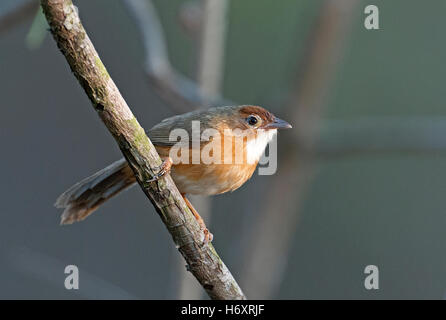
84 61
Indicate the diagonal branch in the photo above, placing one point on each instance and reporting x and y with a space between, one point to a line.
84 61
182 94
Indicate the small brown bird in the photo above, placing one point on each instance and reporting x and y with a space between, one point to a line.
233 159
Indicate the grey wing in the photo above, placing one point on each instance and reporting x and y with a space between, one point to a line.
177 129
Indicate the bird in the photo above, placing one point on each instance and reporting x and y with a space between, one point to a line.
229 142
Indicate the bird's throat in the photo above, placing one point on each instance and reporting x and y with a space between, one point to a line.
257 145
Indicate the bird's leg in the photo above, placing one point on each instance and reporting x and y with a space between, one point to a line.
207 235
163 169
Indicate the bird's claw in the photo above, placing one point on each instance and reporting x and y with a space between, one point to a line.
164 168
208 237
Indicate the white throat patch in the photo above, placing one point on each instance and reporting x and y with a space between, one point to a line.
256 147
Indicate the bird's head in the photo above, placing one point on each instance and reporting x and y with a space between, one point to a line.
257 118
257 124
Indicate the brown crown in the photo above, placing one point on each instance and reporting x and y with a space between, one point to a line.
261 112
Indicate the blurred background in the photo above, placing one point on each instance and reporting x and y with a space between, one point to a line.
360 180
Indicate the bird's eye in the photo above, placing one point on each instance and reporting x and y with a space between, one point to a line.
252 120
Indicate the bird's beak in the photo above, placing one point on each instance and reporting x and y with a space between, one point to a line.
278 124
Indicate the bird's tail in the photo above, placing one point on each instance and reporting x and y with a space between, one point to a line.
86 196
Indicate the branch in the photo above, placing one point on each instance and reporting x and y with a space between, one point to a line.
84 61
380 135
212 47
182 93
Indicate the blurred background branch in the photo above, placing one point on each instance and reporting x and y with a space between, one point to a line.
271 236
181 93
212 47
50 270
363 136
16 13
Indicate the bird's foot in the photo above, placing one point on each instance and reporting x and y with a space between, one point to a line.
208 237
163 169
